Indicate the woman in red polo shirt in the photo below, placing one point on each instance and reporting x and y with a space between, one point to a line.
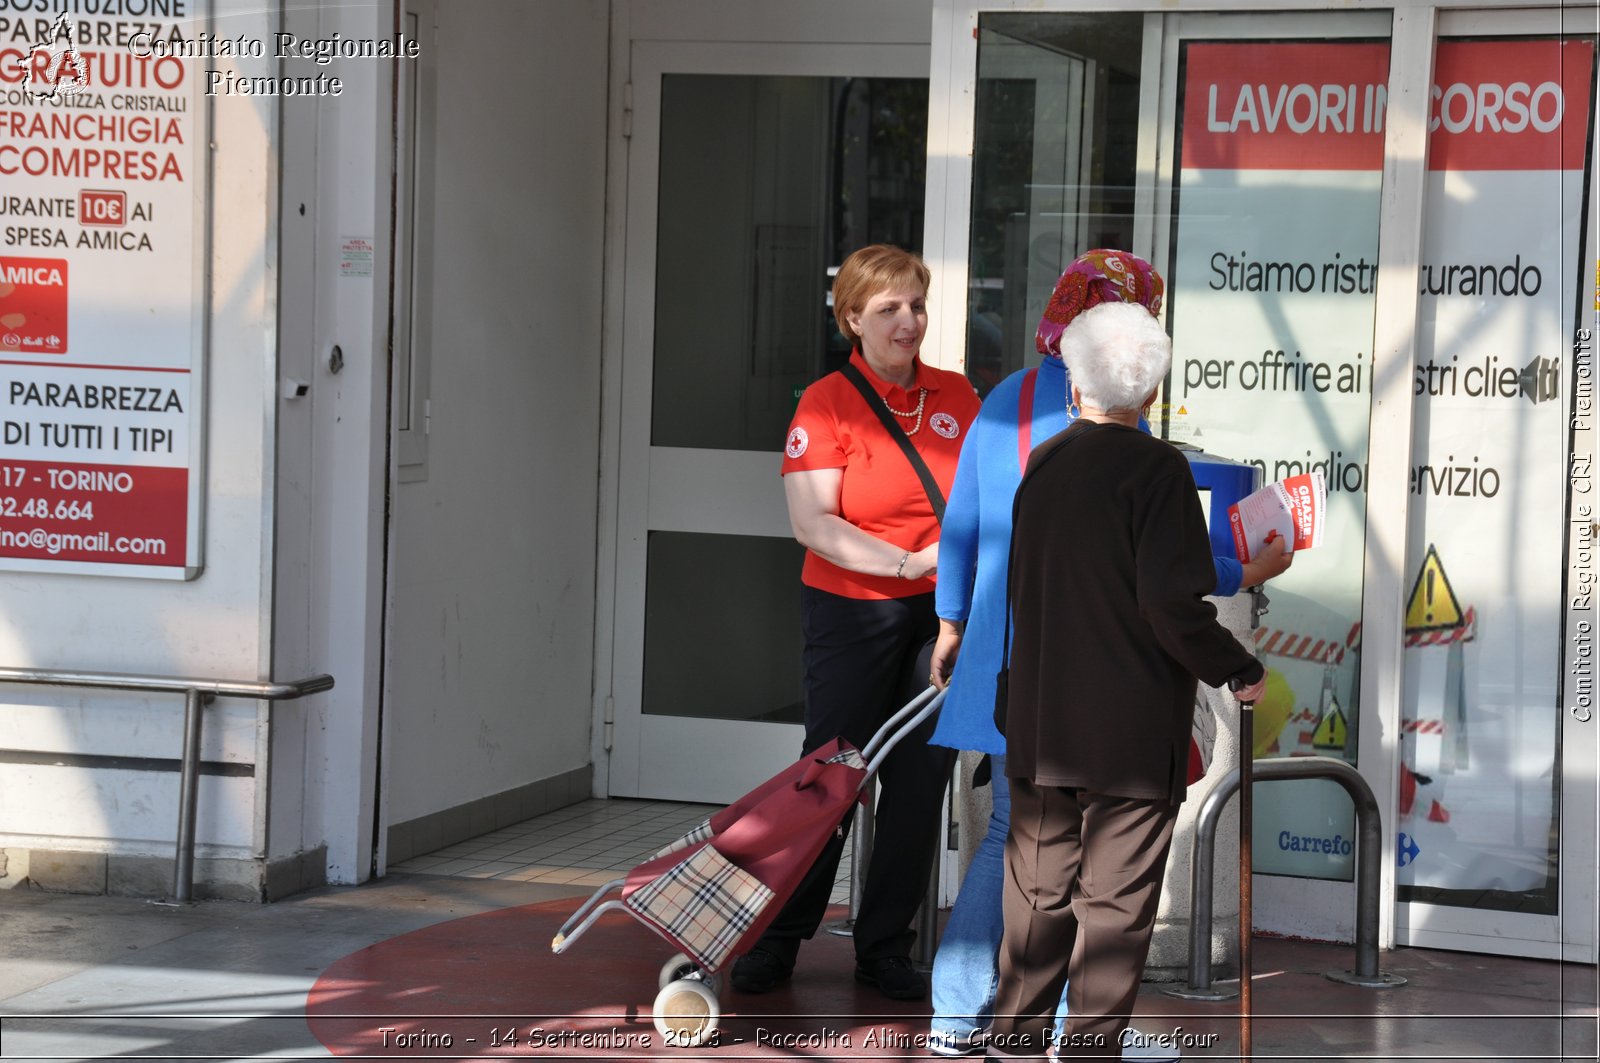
872 546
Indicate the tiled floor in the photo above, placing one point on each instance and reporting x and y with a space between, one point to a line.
586 844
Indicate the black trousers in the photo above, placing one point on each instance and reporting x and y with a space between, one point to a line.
864 660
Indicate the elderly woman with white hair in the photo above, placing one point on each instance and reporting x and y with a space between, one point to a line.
1111 565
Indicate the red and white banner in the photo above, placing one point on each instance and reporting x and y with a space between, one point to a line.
1513 105
1285 106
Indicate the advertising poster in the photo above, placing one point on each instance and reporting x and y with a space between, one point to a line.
1273 285
102 175
1501 272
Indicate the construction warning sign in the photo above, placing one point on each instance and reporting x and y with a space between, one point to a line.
1433 605
1331 730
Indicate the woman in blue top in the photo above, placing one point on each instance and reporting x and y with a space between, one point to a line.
1026 408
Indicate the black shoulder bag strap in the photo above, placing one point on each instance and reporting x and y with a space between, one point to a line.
898 434
1002 679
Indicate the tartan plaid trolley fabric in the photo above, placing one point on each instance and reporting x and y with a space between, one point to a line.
712 892
715 890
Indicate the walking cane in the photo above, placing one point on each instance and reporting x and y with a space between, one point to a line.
1247 752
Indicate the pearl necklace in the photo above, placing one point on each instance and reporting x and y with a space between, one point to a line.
922 400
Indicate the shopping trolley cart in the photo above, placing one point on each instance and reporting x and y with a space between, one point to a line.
712 892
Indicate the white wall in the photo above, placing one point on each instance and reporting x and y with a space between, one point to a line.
213 626
493 568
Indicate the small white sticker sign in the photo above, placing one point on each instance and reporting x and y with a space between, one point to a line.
355 256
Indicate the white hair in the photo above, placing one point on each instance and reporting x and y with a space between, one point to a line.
1117 353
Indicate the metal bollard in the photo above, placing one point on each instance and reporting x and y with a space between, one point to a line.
1369 830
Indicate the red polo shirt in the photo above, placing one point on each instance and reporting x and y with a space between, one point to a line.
880 493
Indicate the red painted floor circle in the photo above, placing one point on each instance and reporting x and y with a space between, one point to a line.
488 986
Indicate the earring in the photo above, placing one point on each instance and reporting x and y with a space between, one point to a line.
1073 411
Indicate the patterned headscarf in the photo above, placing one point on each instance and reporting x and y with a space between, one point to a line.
1096 277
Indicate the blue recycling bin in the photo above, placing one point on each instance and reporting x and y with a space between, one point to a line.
1222 482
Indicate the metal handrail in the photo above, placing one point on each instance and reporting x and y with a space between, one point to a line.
196 692
1369 837
221 688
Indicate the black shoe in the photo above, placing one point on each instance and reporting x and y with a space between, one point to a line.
893 976
759 971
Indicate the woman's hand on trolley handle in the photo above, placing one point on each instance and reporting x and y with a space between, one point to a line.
945 649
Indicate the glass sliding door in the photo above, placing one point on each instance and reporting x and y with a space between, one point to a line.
753 171
1247 154
1053 169
1274 247
1505 272
1243 154
1269 193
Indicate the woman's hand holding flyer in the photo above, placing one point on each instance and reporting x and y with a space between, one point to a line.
1291 508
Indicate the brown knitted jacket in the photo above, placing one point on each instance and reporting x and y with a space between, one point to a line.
1110 568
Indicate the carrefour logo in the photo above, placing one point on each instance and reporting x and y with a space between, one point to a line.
1337 845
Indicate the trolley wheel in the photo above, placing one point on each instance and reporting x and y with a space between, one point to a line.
680 966
686 1013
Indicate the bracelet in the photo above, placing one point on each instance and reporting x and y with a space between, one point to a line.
900 569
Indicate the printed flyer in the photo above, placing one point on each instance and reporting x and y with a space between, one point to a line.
1290 510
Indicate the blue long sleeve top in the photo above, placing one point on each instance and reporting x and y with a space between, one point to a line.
975 543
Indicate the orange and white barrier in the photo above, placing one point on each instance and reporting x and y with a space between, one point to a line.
1282 643
1466 632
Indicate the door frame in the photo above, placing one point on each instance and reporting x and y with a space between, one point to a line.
688 36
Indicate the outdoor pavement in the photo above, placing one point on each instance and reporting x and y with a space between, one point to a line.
413 966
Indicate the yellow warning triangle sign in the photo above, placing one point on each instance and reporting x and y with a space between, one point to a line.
1330 732
1433 605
